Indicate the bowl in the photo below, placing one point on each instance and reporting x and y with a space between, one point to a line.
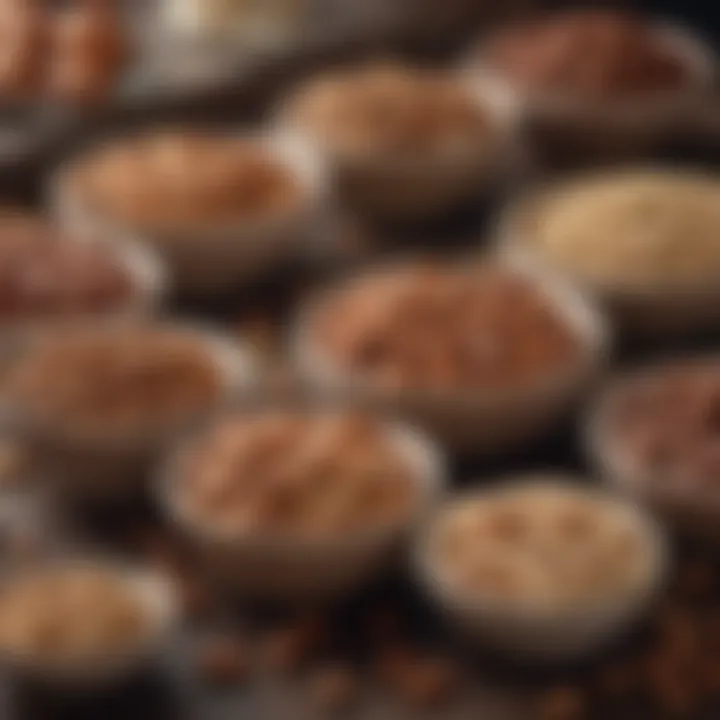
657 311
541 633
291 569
417 186
479 423
153 593
89 466
691 513
214 260
575 130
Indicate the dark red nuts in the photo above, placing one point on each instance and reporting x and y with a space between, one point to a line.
224 661
44 276
562 703
666 420
588 55
334 689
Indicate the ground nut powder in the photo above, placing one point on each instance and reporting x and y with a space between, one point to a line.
638 229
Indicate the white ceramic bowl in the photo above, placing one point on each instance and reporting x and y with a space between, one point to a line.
291 569
691 513
427 185
154 594
538 634
618 128
481 422
88 467
651 311
220 258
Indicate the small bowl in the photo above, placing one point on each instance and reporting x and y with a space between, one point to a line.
218 259
652 312
478 423
290 569
690 514
107 467
419 187
536 634
582 130
150 286
154 594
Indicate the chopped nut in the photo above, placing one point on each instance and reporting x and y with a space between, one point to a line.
617 680
224 661
289 649
697 578
428 683
334 689
392 664
562 703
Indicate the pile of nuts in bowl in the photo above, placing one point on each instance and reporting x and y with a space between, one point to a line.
297 476
446 329
403 367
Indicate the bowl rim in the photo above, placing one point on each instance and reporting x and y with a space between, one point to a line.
680 40
230 357
150 588
496 100
598 608
575 310
296 154
514 237
421 453
619 468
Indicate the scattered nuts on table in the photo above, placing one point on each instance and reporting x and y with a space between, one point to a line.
428 682
334 689
288 649
224 661
293 474
440 328
562 703
596 55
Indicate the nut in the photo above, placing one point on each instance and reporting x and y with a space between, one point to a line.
334 689
390 111
130 380
562 703
298 475
426 683
289 649
224 661
592 55
174 182
444 329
